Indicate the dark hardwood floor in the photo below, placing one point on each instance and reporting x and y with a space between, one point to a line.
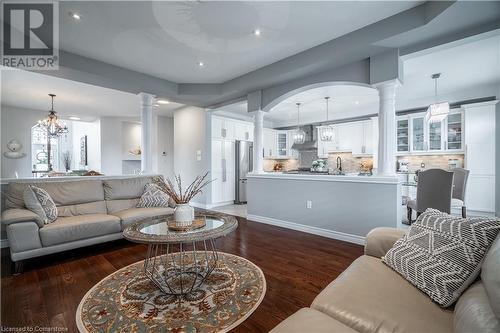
297 267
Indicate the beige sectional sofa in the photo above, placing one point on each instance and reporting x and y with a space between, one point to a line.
90 211
371 297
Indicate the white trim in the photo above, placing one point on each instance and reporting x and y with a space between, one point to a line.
4 243
198 205
308 229
212 205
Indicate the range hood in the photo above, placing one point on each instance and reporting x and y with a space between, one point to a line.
310 144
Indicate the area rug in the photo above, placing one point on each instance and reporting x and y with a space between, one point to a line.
127 301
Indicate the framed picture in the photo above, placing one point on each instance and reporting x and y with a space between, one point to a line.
83 151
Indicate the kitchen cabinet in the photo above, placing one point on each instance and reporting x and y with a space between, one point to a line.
223 171
292 153
281 143
480 156
403 134
243 131
356 137
231 129
442 137
269 144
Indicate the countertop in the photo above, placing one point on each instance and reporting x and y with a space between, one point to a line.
350 177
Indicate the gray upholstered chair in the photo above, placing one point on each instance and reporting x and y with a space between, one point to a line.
460 177
434 190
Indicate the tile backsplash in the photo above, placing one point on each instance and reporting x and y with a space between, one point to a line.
349 162
431 161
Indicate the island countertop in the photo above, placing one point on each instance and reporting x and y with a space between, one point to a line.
351 178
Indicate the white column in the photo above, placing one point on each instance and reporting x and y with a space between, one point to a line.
258 141
387 127
147 132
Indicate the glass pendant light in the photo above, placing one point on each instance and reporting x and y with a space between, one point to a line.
438 111
327 132
299 136
55 128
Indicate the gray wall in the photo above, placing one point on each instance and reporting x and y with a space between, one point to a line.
166 144
190 136
348 207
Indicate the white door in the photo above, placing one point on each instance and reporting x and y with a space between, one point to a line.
217 170
228 178
269 143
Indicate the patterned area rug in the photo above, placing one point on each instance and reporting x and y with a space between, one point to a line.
127 301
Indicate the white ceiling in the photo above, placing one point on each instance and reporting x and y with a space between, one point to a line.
470 70
168 39
30 90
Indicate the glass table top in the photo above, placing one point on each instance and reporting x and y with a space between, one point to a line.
156 229
161 228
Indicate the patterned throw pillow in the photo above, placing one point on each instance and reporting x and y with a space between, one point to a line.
153 196
39 201
442 254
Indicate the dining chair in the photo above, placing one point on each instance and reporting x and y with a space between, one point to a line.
434 190
460 177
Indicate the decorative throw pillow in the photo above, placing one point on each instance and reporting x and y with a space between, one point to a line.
39 202
442 254
153 196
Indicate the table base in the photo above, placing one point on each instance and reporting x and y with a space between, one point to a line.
182 272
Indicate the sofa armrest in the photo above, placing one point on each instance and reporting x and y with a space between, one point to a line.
380 240
17 215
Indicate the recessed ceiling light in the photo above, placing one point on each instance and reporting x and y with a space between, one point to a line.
75 16
156 105
162 101
256 32
201 64
75 118
356 102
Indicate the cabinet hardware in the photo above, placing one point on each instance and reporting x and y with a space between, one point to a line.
224 174
223 132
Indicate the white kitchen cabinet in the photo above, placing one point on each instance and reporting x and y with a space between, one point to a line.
480 156
454 128
243 131
281 144
222 128
292 153
402 134
269 144
223 171
418 134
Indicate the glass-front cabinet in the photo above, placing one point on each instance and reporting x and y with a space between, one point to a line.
418 134
454 129
415 135
282 148
403 131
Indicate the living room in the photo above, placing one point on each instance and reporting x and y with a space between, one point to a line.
250 166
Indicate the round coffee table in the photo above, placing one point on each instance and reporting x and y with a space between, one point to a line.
178 262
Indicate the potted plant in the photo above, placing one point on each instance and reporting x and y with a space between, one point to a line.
184 213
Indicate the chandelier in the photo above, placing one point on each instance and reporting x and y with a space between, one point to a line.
299 136
439 110
327 132
54 126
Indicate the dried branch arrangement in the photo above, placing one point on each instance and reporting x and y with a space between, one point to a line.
175 191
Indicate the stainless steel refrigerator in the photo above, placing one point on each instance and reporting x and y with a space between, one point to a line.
244 164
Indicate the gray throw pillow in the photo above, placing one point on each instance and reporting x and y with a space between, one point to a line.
153 196
442 254
39 202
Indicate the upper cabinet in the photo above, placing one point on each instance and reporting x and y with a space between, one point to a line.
231 129
278 144
415 135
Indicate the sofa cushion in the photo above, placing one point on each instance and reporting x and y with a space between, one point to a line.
63 192
473 312
490 275
129 216
442 254
153 196
370 297
310 320
380 240
117 205
16 215
39 201
125 188
97 207
73 228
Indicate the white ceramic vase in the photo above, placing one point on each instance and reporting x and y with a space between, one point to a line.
184 215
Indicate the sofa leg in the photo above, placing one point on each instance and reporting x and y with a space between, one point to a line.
18 267
464 211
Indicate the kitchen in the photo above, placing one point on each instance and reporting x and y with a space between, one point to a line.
324 181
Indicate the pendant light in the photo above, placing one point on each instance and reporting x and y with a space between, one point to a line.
55 128
438 111
327 132
299 136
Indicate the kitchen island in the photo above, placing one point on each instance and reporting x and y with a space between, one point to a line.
341 207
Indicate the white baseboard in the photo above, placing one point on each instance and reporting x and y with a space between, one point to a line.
309 229
4 243
198 205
